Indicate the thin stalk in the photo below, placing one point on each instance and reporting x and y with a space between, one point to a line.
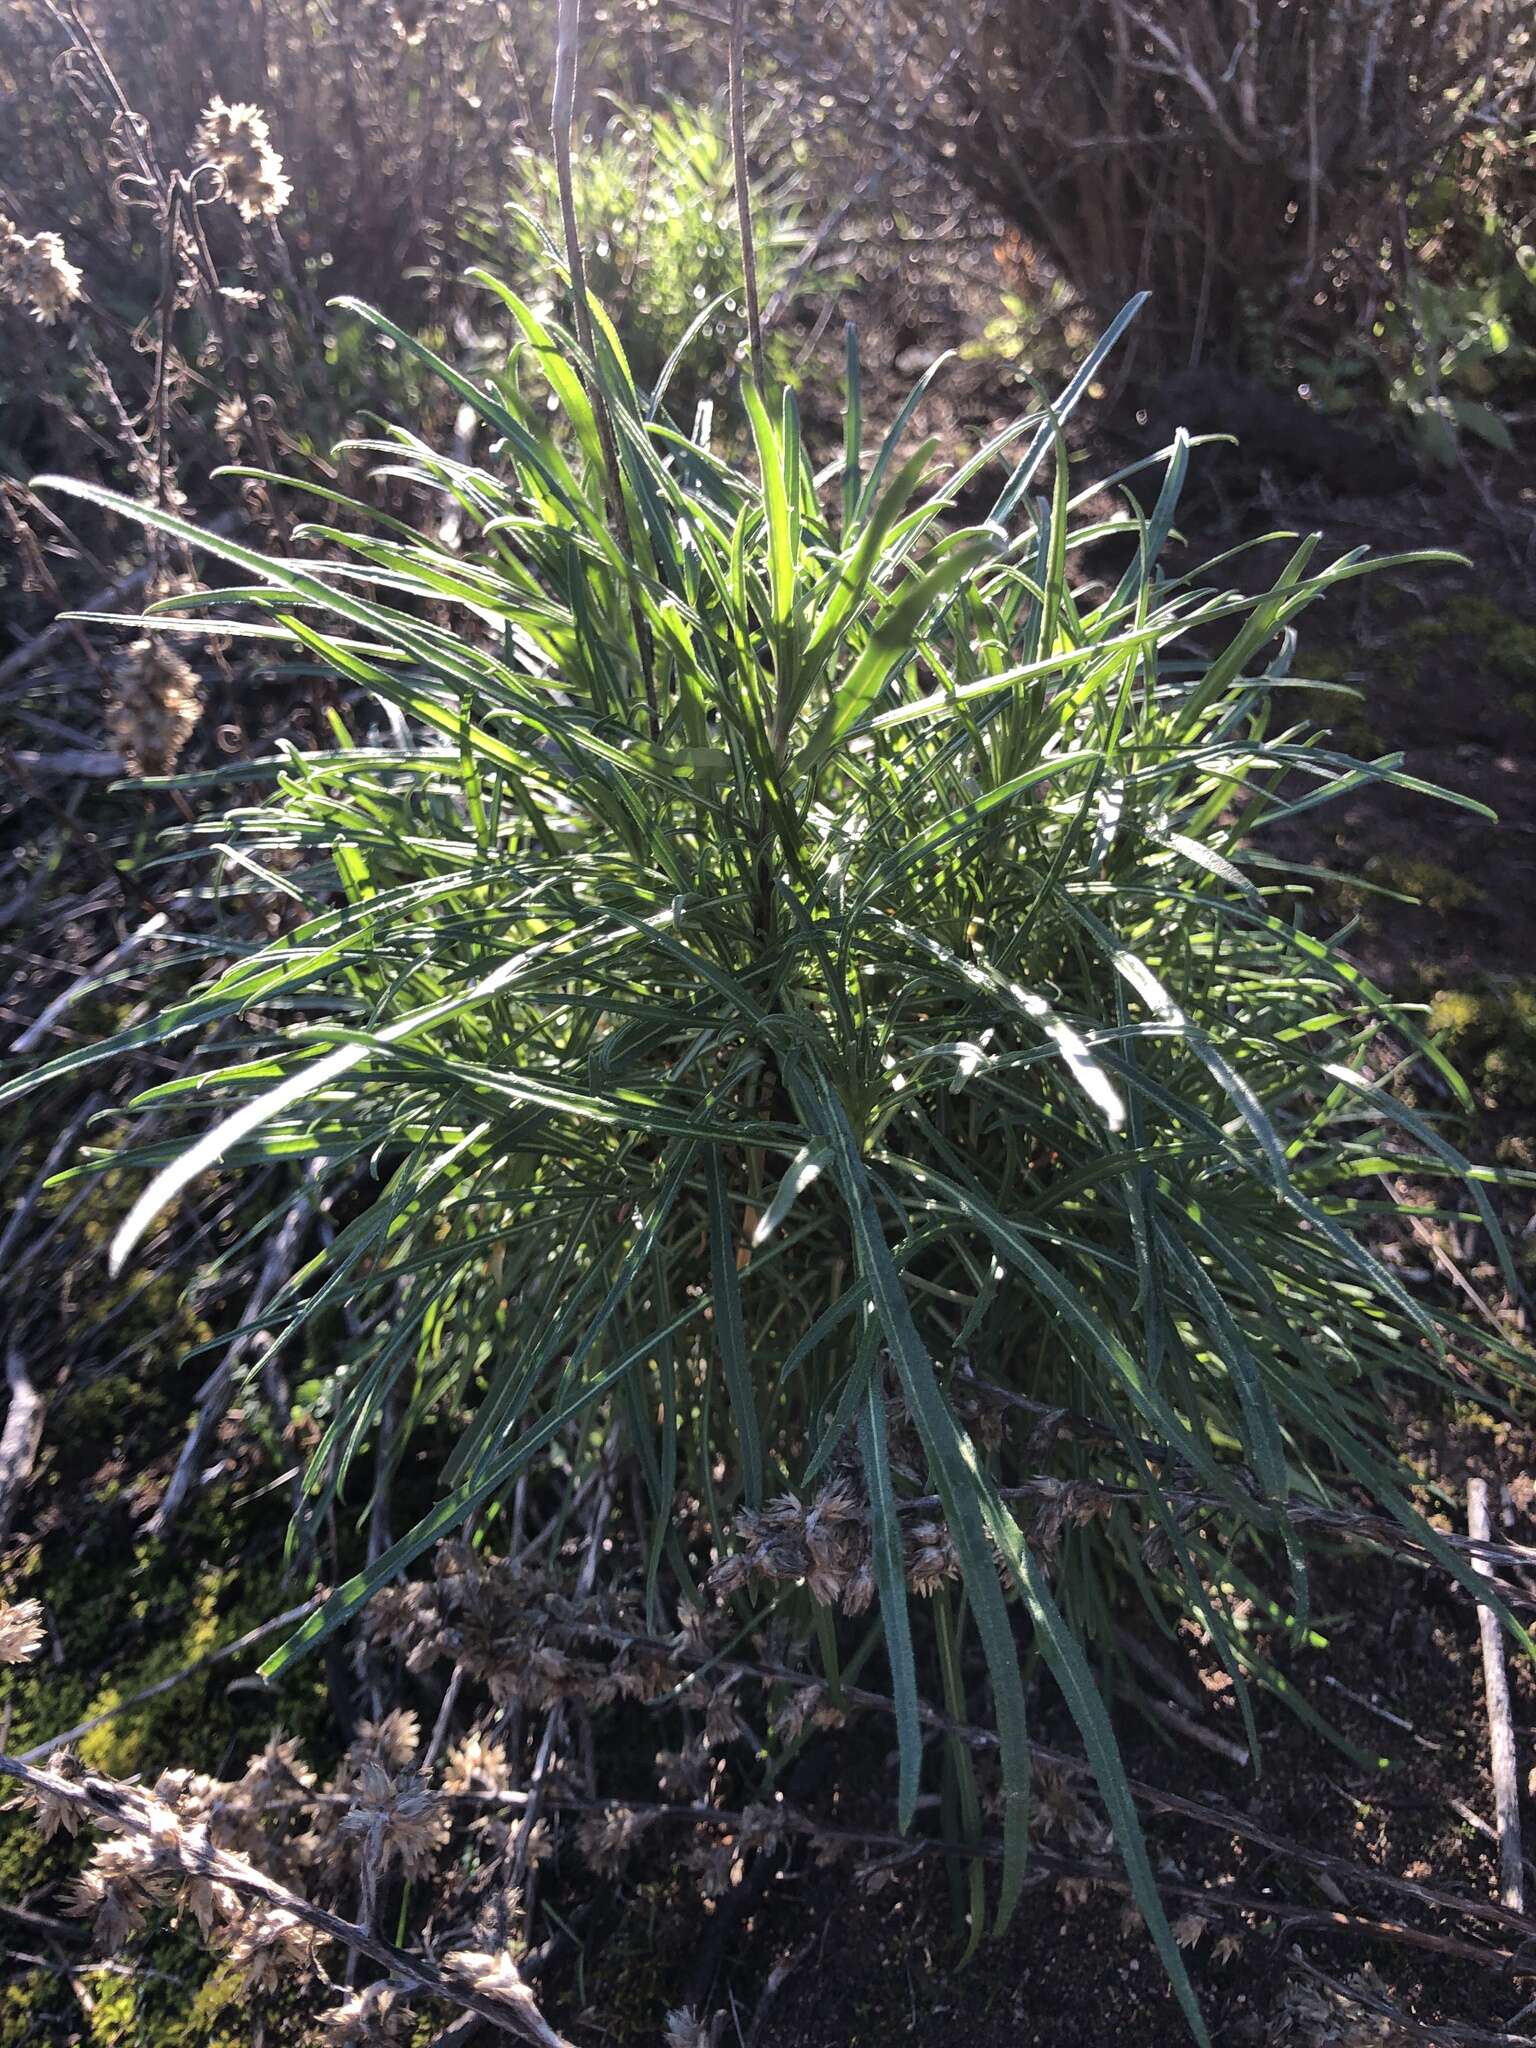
826 1637
744 191
947 1631
562 123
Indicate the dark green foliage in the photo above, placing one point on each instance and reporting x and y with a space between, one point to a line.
917 1011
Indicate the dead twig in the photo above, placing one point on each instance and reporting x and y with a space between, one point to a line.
1501 1732
1183 1724
1441 2034
1202 1813
214 1395
20 1439
1180 1710
1516 1962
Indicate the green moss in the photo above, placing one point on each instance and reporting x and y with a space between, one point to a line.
1491 1034
114 2011
1472 633
24 2003
1456 1015
165 2008
1509 1077
1419 882
160 1610
1437 888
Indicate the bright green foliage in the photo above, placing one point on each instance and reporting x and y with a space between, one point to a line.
656 196
916 1000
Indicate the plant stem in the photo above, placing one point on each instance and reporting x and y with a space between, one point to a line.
744 191
562 122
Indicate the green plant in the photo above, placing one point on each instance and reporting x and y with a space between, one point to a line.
909 1033
1439 356
1451 295
1039 319
657 193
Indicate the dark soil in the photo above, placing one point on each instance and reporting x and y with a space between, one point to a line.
869 1965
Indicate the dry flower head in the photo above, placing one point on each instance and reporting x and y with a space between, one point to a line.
35 272
236 140
21 1630
153 703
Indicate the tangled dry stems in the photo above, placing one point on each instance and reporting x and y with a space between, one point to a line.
1248 161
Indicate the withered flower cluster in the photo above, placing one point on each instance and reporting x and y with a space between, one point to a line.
827 1544
412 18
133 1875
36 273
237 142
154 700
514 1629
454 1834
21 1630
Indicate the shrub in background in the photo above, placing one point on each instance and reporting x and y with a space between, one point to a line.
393 119
1241 159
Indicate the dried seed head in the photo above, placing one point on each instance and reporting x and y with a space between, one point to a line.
686 2030
152 705
494 1976
719 1866
396 1817
732 1574
125 1880
374 2017
1060 1809
605 1839
191 1795
266 1948
393 1614
762 1829
698 1632
722 1724
800 1707
275 1771
475 1765
391 1741
36 273
54 1810
211 1904
826 1544
231 421
931 1556
237 142
859 1593
411 18
21 1630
